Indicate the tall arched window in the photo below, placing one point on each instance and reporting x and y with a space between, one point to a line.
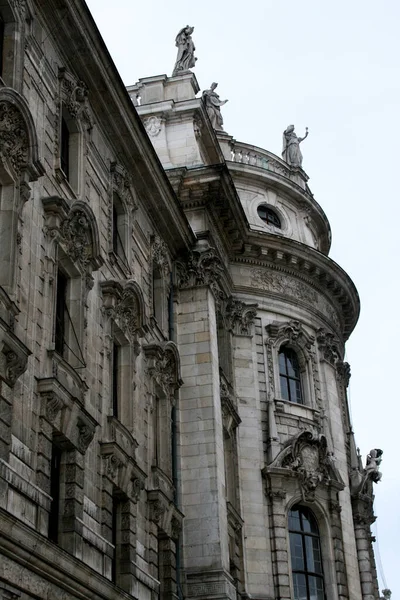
305 552
289 375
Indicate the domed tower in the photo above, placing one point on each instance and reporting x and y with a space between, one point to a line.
276 502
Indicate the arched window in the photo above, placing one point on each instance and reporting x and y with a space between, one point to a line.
289 375
269 216
305 552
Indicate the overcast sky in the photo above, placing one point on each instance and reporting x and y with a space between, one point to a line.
334 67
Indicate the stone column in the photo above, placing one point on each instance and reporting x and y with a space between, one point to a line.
279 541
363 544
340 563
206 552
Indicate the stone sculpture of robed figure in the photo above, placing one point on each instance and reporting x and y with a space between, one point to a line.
291 147
213 106
185 59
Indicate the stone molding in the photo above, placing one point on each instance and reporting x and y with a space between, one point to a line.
75 229
74 94
201 267
121 185
13 356
18 139
23 485
124 303
293 333
241 316
306 456
164 367
328 345
74 427
160 256
165 514
230 416
119 462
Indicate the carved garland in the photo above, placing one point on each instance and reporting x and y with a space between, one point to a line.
159 256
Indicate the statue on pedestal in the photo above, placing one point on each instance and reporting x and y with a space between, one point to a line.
291 147
186 58
213 106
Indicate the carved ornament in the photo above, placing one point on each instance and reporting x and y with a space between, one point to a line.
121 185
153 126
307 456
125 304
241 316
74 94
160 256
14 139
164 367
13 358
328 345
200 268
86 430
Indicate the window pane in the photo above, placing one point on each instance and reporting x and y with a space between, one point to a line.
309 523
282 363
296 552
313 554
316 586
299 586
293 365
284 388
294 520
293 390
299 397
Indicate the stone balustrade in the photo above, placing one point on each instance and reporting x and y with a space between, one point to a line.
257 157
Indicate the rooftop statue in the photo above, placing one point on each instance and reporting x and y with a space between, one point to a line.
186 58
291 147
213 106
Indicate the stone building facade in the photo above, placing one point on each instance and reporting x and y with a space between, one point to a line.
173 411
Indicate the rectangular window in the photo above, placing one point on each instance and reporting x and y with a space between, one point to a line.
61 312
116 362
64 148
55 480
115 534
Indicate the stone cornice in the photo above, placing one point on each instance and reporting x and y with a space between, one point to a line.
124 131
313 268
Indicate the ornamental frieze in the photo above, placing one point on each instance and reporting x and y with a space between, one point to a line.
286 285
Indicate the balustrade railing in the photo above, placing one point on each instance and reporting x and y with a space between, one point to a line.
257 157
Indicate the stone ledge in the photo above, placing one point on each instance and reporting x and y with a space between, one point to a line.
44 570
27 488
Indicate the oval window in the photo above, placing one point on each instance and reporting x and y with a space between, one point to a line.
268 216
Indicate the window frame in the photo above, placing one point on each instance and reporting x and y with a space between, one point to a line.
271 216
286 350
306 534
